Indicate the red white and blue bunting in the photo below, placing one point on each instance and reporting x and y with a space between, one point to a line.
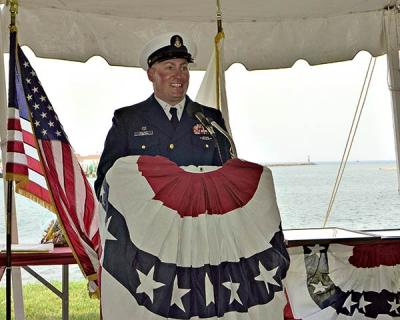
191 242
345 282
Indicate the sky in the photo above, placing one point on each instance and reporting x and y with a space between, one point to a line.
284 115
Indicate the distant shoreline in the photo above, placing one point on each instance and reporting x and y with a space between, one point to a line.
290 164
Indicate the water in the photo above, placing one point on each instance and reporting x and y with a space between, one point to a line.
367 199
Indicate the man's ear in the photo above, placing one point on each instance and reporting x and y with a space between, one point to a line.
150 74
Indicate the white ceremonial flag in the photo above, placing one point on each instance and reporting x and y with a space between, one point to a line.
212 92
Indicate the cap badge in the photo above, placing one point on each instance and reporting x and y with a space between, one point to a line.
176 41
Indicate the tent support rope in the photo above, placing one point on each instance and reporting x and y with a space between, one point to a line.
352 133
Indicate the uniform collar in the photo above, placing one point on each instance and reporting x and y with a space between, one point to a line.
166 107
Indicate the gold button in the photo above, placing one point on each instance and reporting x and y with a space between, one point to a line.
143 146
206 145
171 146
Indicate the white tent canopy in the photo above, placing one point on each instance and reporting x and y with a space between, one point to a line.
260 34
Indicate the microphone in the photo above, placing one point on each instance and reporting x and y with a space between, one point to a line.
195 110
227 136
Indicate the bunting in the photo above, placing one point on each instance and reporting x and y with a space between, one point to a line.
339 281
190 242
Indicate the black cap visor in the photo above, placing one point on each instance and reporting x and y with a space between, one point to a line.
167 53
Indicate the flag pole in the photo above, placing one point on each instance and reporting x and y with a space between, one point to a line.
217 69
219 16
8 249
13 4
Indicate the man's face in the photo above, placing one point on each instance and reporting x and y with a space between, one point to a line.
170 79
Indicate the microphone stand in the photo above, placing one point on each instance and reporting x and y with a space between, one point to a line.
227 135
204 121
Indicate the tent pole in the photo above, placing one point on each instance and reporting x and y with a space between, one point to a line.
392 42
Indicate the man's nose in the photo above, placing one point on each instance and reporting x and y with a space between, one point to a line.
178 73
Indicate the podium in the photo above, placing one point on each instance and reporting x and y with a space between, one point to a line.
183 242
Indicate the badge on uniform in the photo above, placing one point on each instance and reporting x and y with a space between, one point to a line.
143 132
199 129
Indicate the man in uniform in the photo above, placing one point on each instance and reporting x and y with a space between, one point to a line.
160 125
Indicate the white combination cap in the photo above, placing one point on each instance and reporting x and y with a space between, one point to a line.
167 46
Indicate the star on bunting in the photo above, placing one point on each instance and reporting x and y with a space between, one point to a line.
319 287
349 303
394 305
177 295
107 234
233 287
148 284
209 290
266 276
363 303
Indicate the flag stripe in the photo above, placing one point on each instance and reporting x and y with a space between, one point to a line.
79 197
16 168
28 138
19 158
91 221
37 178
31 152
37 190
15 146
34 165
14 135
14 124
26 125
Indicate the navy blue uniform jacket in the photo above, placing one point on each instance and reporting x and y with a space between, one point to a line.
144 129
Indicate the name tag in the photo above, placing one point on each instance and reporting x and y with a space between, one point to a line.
143 133
206 138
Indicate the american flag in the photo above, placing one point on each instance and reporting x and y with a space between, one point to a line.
42 162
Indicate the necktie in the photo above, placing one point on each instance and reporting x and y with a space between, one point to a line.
174 119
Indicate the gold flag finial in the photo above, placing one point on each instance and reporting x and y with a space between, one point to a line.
13 4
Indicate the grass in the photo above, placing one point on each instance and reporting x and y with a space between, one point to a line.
42 304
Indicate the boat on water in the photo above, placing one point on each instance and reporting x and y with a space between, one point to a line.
260 35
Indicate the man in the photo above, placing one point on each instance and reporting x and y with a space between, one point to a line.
160 125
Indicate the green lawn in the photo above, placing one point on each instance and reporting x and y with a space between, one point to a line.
42 304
